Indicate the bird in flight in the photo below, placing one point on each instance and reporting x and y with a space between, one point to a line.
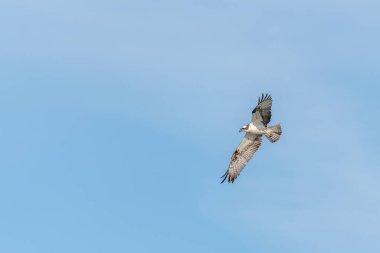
251 142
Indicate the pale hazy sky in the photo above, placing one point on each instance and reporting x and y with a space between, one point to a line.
119 117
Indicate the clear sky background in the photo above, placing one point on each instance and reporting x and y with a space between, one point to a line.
119 117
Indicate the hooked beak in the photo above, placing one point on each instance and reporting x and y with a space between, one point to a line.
243 128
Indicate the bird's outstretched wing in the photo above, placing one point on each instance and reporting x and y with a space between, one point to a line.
262 112
244 152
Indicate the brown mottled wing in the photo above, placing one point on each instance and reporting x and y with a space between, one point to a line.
244 152
262 112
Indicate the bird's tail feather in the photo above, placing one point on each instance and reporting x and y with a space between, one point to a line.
273 133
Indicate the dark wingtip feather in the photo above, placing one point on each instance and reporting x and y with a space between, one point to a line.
225 176
264 97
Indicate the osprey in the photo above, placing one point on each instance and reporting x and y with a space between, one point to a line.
261 116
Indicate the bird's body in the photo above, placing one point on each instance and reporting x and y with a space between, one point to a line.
251 142
255 129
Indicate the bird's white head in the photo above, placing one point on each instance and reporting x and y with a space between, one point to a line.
243 128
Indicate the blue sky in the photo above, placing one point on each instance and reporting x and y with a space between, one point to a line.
119 117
